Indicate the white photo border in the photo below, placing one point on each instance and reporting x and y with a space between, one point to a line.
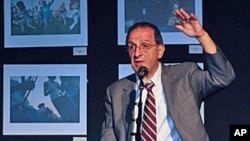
59 40
168 37
68 128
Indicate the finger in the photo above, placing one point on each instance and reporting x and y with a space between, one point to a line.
179 15
183 16
186 16
193 17
184 13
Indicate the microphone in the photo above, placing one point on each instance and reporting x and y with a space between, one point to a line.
143 71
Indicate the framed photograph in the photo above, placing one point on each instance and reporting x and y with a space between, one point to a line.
160 13
45 23
126 69
45 99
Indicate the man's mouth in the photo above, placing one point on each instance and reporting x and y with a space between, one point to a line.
139 63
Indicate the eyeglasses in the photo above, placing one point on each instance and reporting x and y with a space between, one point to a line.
143 47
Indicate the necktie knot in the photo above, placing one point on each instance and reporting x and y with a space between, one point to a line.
149 85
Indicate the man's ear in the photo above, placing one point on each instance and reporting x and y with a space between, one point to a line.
161 49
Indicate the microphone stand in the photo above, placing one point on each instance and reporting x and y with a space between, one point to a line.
139 118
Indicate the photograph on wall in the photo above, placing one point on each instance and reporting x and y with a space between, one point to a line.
45 23
158 12
45 99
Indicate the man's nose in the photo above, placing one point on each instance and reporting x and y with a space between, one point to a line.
137 51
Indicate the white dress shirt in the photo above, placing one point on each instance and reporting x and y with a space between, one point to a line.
165 126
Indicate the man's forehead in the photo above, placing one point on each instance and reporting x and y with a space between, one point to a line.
142 34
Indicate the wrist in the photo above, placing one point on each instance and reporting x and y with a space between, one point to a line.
202 34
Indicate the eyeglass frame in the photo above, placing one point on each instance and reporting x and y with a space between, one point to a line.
140 47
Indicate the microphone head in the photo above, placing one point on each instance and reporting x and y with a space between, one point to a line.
143 71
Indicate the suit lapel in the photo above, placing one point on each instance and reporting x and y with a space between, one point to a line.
128 103
167 82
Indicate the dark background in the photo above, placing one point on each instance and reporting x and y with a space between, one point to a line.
228 23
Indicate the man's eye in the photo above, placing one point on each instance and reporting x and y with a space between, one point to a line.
145 46
131 46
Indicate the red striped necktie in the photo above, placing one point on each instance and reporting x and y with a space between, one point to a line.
149 117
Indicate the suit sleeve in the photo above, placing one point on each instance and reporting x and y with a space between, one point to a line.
107 133
220 68
219 74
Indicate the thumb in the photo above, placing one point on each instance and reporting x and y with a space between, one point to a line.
178 26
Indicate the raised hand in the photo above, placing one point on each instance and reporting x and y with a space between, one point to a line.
189 23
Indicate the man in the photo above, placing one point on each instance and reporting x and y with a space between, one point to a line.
46 14
179 89
74 7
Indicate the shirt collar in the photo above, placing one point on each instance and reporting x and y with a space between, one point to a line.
156 79
157 76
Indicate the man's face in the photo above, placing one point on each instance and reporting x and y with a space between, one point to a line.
145 57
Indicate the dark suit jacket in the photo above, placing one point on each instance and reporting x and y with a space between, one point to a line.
185 86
